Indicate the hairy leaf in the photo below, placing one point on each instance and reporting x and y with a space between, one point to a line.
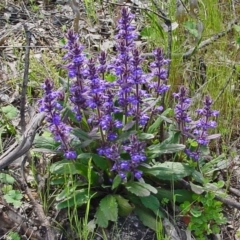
150 202
109 207
169 170
124 208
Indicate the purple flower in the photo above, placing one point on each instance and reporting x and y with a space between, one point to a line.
205 123
181 108
61 132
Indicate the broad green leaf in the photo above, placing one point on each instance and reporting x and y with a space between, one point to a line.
151 202
81 134
14 197
159 149
169 170
63 167
147 217
78 198
45 142
98 160
116 182
58 181
6 178
196 188
198 176
10 111
179 195
109 207
140 189
124 208
65 193
137 189
145 136
155 126
82 169
101 220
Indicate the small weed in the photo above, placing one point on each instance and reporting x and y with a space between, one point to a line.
11 196
205 215
13 236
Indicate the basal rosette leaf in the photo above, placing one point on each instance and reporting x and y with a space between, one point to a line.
124 207
140 189
101 220
78 198
116 182
155 126
63 167
151 202
169 170
100 161
147 217
107 211
177 195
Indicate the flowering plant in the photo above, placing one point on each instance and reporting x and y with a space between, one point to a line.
106 126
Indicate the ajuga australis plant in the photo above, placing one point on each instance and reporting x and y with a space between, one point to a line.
105 126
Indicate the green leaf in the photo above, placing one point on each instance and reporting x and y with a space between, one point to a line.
124 208
151 202
198 176
195 212
110 77
100 218
6 188
161 148
169 170
78 198
63 167
98 160
146 136
81 134
109 207
14 197
45 142
65 193
116 182
6 178
140 189
155 126
191 27
196 188
179 195
17 204
147 217
10 111
82 169
236 27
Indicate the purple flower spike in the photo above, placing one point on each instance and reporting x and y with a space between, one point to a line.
49 104
181 108
205 123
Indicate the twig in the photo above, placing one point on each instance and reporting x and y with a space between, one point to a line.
203 44
234 191
14 218
22 146
25 80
